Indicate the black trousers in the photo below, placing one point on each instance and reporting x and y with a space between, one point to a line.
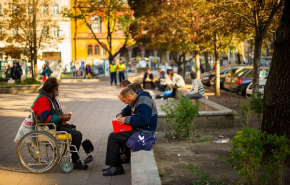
76 139
113 78
115 142
121 76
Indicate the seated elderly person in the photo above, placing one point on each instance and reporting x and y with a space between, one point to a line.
148 78
142 117
161 78
47 107
176 81
197 89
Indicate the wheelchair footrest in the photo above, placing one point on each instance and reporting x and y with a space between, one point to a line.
87 146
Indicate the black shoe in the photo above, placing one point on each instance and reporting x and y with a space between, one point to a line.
106 169
79 165
114 171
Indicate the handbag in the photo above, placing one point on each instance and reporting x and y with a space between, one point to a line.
26 126
167 93
141 141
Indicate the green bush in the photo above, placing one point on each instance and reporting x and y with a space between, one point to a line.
181 115
29 81
248 153
257 105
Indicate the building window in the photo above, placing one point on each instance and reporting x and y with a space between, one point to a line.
0 9
90 50
96 24
45 9
45 31
1 56
56 31
97 50
103 51
0 32
30 9
55 9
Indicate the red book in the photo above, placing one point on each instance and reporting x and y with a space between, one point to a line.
120 128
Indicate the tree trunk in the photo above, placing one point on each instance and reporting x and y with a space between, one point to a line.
32 64
197 64
256 64
206 62
184 66
239 58
276 109
217 67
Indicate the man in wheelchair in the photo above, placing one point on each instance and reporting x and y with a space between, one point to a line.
48 109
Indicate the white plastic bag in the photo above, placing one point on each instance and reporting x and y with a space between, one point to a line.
26 126
11 81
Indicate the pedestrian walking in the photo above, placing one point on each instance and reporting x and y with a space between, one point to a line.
44 72
89 71
8 72
121 70
113 71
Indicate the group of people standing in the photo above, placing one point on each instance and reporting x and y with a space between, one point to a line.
114 69
14 72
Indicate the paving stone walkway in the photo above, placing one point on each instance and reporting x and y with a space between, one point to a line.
93 106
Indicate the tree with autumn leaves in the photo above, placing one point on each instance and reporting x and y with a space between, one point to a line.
174 27
262 17
26 27
115 14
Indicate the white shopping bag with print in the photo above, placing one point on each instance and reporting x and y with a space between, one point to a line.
26 126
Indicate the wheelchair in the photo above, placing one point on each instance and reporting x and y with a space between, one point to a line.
40 150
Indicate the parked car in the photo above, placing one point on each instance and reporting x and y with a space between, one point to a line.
239 83
228 71
205 77
238 72
262 83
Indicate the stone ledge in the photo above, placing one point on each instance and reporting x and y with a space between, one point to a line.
78 80
19 89
144 170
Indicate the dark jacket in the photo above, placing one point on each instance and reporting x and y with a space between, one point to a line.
162 75
143 113
145 76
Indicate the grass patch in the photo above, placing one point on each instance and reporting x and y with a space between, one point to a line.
204 139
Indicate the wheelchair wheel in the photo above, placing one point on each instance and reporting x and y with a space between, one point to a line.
38 152
67 167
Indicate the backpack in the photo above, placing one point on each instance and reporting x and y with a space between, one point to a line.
19 71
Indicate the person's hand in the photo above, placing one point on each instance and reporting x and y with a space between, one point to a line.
121 120
65 117
63 122
119 116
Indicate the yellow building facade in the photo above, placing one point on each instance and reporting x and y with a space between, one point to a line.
84 46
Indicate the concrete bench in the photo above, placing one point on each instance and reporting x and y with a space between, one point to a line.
211 115
144 170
